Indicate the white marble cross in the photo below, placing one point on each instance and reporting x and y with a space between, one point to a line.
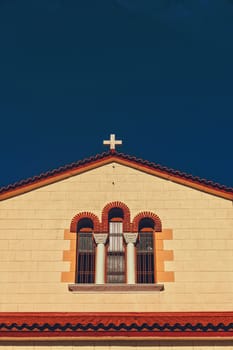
112 142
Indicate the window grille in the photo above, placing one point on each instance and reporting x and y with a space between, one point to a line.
85 258
145 258
115 254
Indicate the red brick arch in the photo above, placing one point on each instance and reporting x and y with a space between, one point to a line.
126 211
85 215
146 214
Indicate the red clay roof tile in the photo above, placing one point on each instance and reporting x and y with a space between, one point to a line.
117 156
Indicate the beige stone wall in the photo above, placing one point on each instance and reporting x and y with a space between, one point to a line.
152 345
32 243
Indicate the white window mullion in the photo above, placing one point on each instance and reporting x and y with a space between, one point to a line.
130 239
100 240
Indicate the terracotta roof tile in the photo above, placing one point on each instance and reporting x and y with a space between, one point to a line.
163 324
120 156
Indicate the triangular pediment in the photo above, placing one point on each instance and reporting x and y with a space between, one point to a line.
106 158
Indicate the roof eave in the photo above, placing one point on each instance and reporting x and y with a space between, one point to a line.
116 326
118 158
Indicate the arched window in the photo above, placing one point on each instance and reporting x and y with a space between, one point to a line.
85 265
145 269
115 250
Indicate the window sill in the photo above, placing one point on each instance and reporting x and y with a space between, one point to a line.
112 288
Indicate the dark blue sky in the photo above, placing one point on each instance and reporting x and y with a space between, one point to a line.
158 73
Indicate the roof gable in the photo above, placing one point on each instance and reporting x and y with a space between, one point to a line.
123 159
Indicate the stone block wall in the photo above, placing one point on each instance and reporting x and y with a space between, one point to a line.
32 243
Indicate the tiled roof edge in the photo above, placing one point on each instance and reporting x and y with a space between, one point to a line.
53 172
162 327
168 324
181 174
123 156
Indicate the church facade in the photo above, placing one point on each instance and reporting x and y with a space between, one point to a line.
116 252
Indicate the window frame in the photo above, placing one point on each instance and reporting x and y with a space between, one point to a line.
81 271
153 257
116 220
128 227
